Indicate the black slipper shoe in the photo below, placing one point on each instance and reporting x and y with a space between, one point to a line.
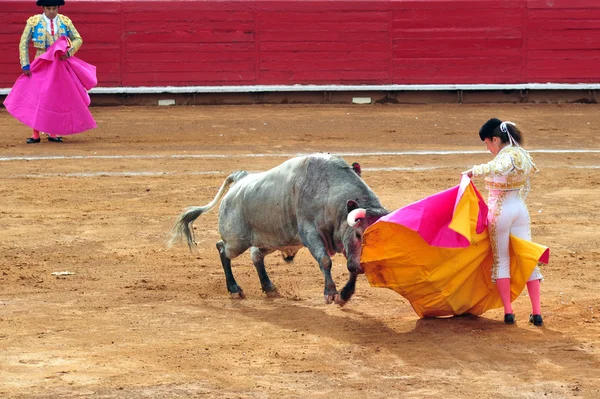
536 319
55 139
31 140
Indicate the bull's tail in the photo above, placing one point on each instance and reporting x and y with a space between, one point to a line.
183 226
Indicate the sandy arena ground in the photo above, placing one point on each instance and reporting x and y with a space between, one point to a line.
138 320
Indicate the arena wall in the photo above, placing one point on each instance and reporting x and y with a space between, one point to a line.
208 43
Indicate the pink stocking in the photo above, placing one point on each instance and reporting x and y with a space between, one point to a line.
503 285
533 287
36 134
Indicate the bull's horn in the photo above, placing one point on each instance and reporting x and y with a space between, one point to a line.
356 214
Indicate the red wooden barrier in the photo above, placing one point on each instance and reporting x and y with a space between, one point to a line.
264 42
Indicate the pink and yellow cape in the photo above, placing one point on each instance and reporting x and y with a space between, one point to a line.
437 254
54 99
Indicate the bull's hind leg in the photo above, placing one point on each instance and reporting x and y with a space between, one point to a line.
258 258
234 289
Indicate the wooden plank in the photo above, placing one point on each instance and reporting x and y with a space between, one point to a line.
593 54
325 36
191 7
20 6
8 78
458 18
558 76
563 64
568 38
324 6
107 68
324 65
189 36
190 17
346 56
268 17
458 63
94 57
455 4
191 67
474 44
558 44
562 4
323 46
551 15
191 56
158 47
167 27
454 33
582 26
444 74
284 26
316 77
486 52
145 78
96 18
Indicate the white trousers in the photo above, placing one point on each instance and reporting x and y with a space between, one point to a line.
507 215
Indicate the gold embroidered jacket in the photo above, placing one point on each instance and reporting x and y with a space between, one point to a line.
509 170
36 31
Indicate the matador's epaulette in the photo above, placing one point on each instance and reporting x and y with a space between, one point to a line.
33 21
65 19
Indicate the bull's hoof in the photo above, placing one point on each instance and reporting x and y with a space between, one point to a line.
340 301
272 293
237 295
330 298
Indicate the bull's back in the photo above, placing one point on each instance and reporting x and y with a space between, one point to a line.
262 207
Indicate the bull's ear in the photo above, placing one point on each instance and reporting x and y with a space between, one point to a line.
351 205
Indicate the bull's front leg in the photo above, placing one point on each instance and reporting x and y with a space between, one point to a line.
348 289
330 293
317 249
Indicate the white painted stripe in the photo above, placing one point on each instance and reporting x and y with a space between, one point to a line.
114 174
306 88
217 172
278 155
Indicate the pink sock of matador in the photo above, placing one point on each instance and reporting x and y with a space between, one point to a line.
533 288
503 285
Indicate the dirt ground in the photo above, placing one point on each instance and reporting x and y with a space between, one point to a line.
139 320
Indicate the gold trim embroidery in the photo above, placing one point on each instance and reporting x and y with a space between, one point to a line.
495 204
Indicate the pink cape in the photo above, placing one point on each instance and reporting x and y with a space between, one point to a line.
431 217
437 254
54 99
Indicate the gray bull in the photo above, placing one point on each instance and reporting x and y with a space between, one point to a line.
309 201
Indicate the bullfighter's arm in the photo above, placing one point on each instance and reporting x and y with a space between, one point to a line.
76 40
502 164
24 43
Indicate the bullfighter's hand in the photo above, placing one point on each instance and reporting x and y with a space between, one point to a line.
64 56
27 73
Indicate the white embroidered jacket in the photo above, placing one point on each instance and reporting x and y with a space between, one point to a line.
509 170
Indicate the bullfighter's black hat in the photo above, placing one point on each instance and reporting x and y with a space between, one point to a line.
487 130
50 3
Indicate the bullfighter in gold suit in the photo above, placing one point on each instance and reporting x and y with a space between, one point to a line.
43 30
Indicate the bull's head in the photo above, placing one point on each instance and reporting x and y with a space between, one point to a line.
358 221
